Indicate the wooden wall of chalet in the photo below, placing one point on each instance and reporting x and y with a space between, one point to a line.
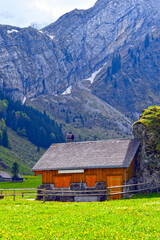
112 176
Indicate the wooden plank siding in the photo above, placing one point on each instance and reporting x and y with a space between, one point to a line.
38 173
130 172
48 176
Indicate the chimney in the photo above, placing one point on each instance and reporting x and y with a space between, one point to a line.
70 138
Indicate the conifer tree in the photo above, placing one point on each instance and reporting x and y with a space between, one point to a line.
5 138
15 170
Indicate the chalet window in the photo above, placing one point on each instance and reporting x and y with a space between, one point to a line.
91 180
61 182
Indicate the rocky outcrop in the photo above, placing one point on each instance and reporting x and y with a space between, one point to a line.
148 158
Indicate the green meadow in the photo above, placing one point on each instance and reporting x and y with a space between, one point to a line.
28 182
137 218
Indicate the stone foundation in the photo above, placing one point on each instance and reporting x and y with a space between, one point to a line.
66 196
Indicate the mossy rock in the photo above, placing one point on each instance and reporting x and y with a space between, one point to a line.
150 117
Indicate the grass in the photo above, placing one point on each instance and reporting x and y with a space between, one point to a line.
119 219
29 182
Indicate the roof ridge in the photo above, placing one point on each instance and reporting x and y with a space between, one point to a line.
104 140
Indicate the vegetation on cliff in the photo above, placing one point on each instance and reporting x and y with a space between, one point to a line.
150 118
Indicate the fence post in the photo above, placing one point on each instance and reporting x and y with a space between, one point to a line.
14 196
44 195
108 194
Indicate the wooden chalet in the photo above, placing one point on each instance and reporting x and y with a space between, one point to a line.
87 165
5 177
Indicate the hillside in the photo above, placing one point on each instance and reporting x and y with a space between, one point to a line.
22 151
85 115
147 129
38 127
24 133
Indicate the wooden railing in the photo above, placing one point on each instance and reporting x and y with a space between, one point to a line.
43 193
18 192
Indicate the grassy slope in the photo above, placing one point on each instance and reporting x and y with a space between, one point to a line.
122 219
22 151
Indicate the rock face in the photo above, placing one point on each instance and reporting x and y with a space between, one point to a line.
92 39
148 158
28 62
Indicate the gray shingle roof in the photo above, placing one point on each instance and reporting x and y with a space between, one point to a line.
5 175
83 155
98 154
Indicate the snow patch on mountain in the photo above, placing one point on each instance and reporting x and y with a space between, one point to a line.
91 79
52 37
67 91
11 31
24 100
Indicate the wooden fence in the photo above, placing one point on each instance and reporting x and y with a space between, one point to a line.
126 191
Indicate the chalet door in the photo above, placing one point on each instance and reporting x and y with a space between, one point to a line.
62 181
115 181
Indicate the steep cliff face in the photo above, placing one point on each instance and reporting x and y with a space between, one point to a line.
147 129
30 62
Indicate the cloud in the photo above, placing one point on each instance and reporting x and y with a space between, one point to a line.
42 12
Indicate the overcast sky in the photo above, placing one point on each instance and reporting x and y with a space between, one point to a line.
42 12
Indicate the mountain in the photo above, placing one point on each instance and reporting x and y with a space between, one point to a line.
95 38
107 55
